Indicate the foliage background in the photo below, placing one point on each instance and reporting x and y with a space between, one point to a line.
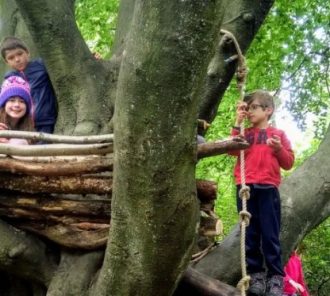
290 56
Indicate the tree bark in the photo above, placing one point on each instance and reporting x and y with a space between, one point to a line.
52 167
55 149
26 256
75 272
45 137
40 207
194 283
206 190
74 185
148 150
210 226
80 236
221 147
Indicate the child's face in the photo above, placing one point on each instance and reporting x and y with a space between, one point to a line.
258 113
15 108
17 58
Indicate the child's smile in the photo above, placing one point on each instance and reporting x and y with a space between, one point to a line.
15 108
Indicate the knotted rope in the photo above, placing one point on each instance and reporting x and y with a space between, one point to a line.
244 192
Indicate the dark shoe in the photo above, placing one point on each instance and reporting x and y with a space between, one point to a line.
275 286
257 284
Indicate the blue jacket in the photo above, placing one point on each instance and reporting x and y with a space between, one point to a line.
42 92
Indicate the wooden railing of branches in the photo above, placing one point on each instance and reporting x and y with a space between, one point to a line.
62 190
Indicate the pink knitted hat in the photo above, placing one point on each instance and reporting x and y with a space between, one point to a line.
16 86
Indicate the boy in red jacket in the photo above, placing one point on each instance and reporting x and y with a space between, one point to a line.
269 151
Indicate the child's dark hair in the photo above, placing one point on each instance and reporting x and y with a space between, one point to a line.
25 123
264 97
11 42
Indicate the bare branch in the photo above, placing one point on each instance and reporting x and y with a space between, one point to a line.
57 138
55 149
57 166
221 147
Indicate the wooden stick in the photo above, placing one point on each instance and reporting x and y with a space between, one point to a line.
71 236
197 283
68 184
107 138
206 190
221 147
210 226
55 149
203 124
39 208
56 166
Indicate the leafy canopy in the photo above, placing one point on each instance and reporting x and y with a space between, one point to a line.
97 20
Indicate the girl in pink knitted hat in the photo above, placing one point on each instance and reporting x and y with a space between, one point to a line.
15 108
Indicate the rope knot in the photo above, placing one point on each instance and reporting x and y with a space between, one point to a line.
244 282
244 192
245 217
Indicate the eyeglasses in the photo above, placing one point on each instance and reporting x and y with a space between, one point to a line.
254 107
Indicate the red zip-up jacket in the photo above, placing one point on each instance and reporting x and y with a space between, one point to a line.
293 271
262 163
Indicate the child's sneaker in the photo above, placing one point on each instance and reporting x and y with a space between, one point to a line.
275 286
257 284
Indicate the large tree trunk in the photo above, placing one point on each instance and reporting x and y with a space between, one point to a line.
153 172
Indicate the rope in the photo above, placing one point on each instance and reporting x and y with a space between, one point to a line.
244 192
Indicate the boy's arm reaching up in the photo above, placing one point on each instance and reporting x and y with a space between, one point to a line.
241 114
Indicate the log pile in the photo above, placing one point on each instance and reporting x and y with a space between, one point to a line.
63 191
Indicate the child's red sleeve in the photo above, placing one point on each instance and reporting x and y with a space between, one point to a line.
285 156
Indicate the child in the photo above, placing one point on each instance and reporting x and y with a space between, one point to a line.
16 55
15 108
294 283
269 151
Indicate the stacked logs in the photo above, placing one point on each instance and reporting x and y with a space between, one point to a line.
64 193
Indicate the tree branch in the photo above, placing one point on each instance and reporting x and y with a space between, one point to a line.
75 274
243 19
25 256
125 17
56 138
53 166
221 147
73 185
194 283
55 149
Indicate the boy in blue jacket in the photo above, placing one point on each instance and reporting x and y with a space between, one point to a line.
16 54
